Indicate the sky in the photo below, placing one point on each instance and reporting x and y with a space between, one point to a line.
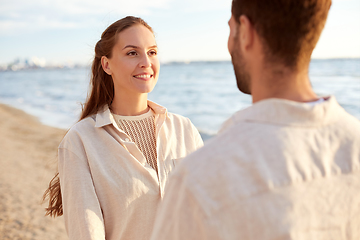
66 31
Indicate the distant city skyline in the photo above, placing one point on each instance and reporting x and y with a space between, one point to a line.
65 32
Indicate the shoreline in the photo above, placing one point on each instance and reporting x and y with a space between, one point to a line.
28 162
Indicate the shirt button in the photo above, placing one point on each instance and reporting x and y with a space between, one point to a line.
127 140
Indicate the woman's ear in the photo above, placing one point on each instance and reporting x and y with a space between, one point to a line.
105 65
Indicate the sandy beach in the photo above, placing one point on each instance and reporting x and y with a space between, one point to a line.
28 152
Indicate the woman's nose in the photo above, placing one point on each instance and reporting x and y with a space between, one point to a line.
145 62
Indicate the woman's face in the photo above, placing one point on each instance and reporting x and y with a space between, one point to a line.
134 65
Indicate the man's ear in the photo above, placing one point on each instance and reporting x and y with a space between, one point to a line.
105 65
246 33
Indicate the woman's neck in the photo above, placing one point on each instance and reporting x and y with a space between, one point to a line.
129 105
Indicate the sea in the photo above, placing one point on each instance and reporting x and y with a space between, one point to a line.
205 92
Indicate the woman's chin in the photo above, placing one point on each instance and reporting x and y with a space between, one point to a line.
145 89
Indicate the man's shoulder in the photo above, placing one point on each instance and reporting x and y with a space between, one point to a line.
219 169
258 156
350 121
217 158
231 145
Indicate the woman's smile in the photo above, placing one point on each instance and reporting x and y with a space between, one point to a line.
145 77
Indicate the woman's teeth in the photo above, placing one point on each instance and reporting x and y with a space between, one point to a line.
143 76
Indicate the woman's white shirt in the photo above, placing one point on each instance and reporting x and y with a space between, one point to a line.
109 191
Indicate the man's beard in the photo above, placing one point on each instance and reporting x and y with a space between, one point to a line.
243 79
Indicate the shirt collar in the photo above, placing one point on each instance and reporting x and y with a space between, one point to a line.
285 112
104 117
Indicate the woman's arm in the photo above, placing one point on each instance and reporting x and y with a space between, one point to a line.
82 212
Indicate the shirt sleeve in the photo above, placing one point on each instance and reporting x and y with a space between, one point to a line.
81 207
198 140
197 137
180 215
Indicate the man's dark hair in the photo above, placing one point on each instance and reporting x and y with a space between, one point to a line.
289 29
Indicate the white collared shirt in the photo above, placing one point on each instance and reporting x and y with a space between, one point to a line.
277 170
108 189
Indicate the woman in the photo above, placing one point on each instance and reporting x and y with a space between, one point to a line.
114 163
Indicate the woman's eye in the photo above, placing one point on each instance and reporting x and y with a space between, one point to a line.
132 53
152 53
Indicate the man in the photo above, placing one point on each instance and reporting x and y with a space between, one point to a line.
288 167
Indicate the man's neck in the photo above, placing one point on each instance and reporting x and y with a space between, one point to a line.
282 82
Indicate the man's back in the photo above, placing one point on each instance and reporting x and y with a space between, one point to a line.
278 170
287 167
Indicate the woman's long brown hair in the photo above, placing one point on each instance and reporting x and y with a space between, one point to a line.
101 94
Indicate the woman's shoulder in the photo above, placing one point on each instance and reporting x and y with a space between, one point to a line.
170 117
78 130
184 127
179 122
84 125
174 117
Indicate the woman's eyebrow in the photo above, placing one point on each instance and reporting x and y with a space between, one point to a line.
133 46
130 46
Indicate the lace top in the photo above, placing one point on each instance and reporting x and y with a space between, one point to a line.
141 130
